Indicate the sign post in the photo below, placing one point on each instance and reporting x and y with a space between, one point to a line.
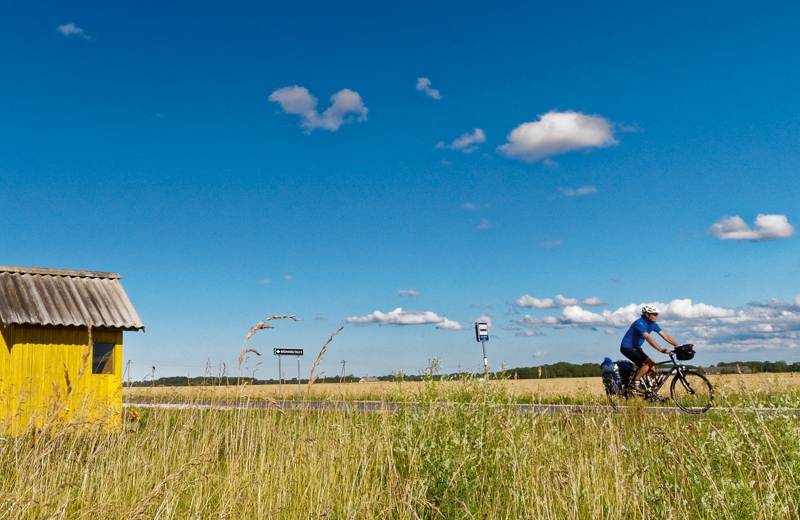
288 352
482 335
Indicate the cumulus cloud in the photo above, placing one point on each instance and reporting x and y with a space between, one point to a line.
583 190
558 132
760 326
408 292
767 227
527 300
485 318
346 105
70 29
574 315
408 317
424 85
466 143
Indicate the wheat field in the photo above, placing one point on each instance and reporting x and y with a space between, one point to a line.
534 390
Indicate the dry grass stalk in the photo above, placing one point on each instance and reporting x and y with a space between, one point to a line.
66 378
321 354
88 351
241 360
245 351
263 325
259 326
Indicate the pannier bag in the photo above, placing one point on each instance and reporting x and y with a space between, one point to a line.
684 352
611 378
626 370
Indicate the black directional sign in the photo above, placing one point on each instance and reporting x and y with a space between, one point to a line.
288 352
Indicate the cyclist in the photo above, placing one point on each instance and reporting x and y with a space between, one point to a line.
637 334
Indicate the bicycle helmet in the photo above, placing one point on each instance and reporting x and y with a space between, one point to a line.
649 309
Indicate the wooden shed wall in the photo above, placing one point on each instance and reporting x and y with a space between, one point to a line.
46 378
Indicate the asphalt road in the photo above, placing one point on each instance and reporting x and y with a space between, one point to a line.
379 406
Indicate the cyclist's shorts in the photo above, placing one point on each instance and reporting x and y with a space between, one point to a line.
636 355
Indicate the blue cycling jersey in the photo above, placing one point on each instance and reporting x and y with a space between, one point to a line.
635 335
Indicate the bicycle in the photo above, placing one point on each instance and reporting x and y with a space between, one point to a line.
690 390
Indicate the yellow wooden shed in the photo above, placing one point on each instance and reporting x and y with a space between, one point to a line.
61 348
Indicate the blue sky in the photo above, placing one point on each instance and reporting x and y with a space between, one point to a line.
404 170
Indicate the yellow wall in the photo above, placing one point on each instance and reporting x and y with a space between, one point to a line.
46 379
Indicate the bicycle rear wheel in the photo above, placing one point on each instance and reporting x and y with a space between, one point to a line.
692 392
615 395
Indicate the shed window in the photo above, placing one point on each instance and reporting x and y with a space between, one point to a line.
103 358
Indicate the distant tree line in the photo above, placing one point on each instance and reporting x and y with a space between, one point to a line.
560 369
761 366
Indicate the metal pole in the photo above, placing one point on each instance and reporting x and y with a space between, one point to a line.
485 361
280 382
299 394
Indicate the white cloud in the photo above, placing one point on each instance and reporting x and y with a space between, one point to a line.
484 224
527 300
401 317
771 326
424 85
408 292
583 190
767 227
485 318
70 29
449 325
466 143
575 316
345 105
558 132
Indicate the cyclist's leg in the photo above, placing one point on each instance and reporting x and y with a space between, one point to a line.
642 361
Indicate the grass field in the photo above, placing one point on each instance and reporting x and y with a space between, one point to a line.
767 389
474 458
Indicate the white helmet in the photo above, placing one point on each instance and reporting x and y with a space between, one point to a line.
649 309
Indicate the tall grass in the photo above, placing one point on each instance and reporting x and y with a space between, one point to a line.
452 450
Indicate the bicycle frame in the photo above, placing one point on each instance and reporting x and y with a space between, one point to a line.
663 375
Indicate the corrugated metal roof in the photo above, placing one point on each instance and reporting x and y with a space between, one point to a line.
36 296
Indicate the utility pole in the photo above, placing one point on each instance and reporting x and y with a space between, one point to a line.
341 378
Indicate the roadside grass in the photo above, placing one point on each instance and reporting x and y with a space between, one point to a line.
751 390
453 450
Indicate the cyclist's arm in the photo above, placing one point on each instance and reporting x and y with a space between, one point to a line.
668 338
654 344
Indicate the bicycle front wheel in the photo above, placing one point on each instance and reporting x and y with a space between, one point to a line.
692 392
